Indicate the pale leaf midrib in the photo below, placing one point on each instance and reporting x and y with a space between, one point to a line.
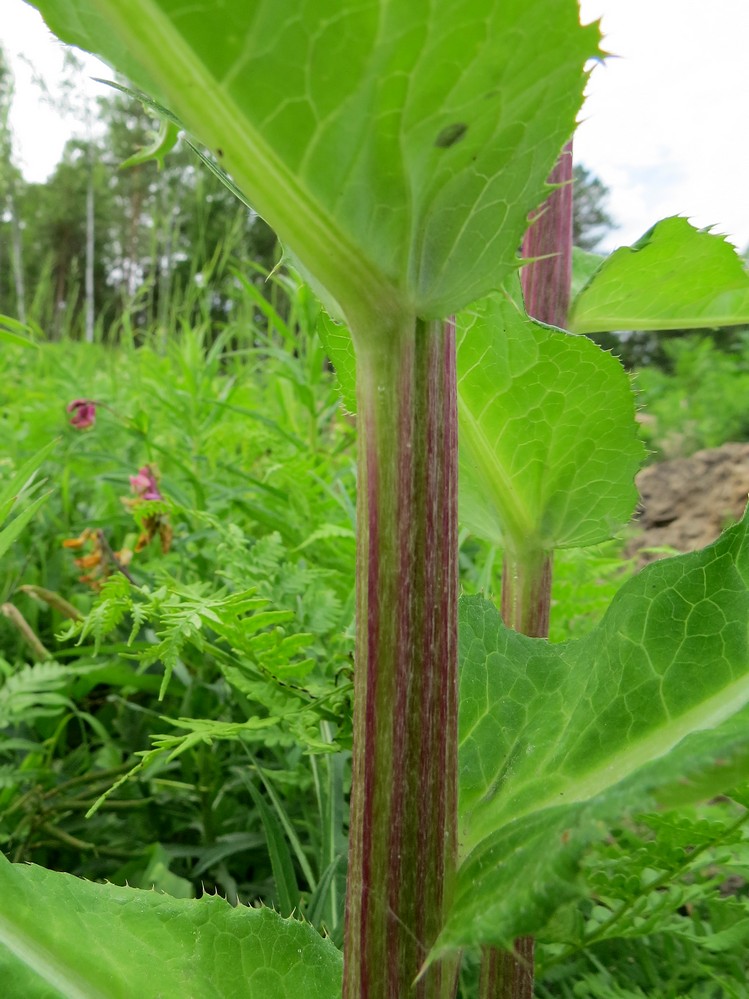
278 194
656 744
517 526
592 322
35 956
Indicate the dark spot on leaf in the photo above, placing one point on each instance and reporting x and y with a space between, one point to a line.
219 153
451 134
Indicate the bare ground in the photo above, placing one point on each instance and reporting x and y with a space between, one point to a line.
687 502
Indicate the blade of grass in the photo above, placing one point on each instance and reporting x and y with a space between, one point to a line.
286 823
315 910
22 479
287 890
9 534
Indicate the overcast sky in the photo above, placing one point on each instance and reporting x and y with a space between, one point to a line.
666 123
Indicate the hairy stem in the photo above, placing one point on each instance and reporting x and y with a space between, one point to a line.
526 576
526 592
547 281
403 801
507 974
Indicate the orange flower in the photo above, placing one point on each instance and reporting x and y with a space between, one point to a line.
101 561
78 542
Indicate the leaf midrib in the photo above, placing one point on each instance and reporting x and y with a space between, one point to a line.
36 958
299 220
517 524
656 744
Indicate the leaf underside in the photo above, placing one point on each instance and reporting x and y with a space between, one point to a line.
557 742
548 439
395 148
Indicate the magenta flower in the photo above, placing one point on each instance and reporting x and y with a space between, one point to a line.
144 484
84 413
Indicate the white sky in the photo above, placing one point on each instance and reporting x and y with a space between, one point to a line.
666 124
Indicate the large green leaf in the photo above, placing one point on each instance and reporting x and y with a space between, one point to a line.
548 439
395 147
63 938
556 741
675 277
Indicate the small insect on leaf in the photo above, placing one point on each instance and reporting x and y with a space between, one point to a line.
451 134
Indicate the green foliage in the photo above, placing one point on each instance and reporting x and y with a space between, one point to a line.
548 440
668 914
584 582
32 693
482 144
701 401
557 740
674 277
531 476
405 203
21 487
258 530
257 472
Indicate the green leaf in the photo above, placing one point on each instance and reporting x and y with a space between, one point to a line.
63 938
674 277
288 827
22 485
21 482
549 446
318 900
175 125
395 148
336 339
584 266
650 708
157 875
548 439
9 534
15 332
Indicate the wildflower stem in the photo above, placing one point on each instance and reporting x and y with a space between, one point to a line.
403 804
526 576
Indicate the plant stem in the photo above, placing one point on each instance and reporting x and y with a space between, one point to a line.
526 576
547 282
404 801
19 622
526 601
507 974
526 592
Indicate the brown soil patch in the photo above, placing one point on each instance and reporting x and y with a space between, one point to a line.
687 502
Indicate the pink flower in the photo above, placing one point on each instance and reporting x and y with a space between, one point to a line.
84 413
144 484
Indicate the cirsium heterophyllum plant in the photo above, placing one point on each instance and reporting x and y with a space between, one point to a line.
398 150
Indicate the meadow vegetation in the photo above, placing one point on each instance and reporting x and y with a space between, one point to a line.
201 705
178 628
